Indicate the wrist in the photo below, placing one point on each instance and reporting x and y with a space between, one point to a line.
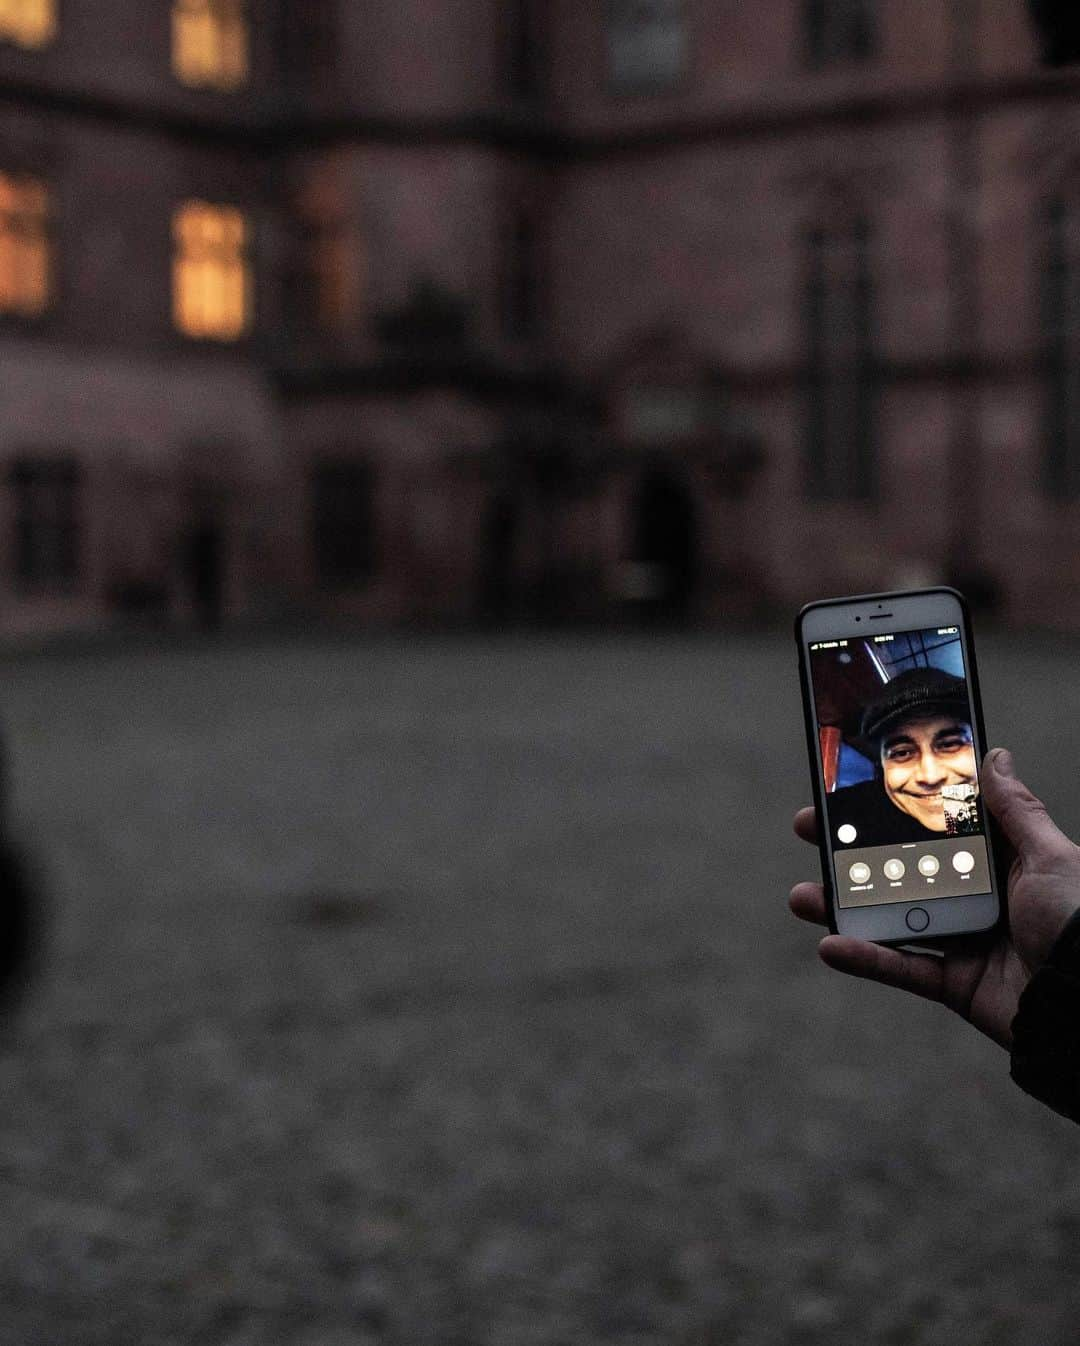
1063 948
1046 1029
1047 931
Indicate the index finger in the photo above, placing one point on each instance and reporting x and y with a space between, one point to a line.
805 824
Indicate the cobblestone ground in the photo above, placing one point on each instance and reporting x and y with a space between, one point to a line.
432 992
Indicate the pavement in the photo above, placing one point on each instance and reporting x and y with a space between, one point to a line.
443 991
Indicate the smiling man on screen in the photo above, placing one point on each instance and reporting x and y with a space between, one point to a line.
918 735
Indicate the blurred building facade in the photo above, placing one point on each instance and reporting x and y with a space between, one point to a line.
411 311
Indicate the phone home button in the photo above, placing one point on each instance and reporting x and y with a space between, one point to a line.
917 919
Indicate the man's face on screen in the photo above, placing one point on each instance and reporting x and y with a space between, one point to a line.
918 757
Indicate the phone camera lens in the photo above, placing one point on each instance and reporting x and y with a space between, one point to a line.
858 619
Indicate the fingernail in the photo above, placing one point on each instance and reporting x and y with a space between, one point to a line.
1003 762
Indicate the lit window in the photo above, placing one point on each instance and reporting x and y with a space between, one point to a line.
211 276
210 43
27 23
24 246
646 44
46 534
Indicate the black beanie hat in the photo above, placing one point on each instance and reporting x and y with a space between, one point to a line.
917 694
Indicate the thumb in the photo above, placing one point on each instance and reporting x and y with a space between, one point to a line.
1023 817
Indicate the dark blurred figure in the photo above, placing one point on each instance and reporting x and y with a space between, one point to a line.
666 541
497 579
1057 23
205 573
21 907
19 924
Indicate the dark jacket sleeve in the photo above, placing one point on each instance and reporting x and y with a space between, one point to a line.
1046 1030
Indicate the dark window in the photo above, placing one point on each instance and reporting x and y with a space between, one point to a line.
839 30
1061 340
841 376
646 43
325 258
45 493
310 39
343 522
325 280
525 49
1057 26
521 299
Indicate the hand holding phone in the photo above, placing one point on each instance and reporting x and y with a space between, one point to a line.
982 981
894 730
907 824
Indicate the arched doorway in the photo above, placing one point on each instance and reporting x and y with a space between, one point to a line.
665 539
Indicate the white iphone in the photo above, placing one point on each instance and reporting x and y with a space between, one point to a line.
895 734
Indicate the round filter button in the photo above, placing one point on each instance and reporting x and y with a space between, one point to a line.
928 865
859 872
917 919
894 869
963 862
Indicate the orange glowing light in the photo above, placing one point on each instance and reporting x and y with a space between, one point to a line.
25 263
212 287
28 23
210 43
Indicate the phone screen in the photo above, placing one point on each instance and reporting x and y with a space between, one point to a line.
900 767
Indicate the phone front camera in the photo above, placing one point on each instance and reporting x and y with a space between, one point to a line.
858 619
